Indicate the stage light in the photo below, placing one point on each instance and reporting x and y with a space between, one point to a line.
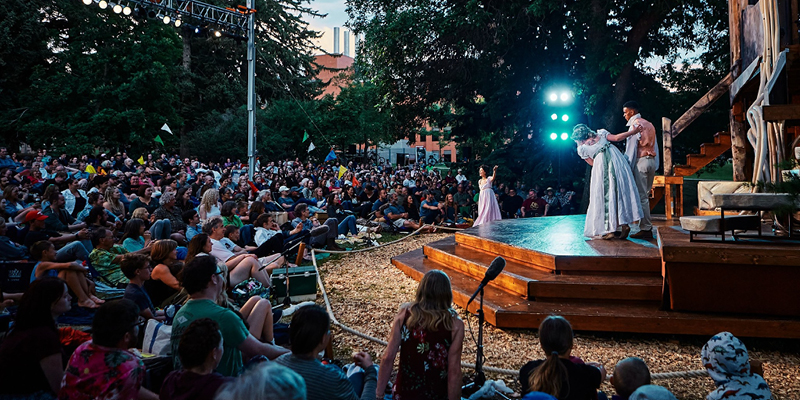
127 10
553 97
103 4
565 96
177 23
117 9
166 19
554 117
553 136
565 117
217 34
564 136
87 2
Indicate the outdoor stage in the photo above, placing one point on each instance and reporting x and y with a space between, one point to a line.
611 285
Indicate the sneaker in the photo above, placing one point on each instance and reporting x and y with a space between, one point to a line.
648 234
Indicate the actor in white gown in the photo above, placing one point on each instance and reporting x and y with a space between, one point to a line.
614 199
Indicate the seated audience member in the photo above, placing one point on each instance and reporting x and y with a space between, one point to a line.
168 211
192 220
200 350
103 368
398 215
204 282
534 206
31 357
72 249
228 213
347 223
550 375
144 199
265 381
654 392
434 326
328 240
510 204
135 236
10 250
735 375
164 286
200 245
15 206
629 375
309 334
58 219
241 266
136 268
114 203
107 256
209 205
73 273
92 199
256 209
430 211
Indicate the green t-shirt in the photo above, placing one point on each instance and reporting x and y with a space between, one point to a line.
232 327
103 262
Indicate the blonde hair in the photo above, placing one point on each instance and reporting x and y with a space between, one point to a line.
139 213
116 205
432 308
210 199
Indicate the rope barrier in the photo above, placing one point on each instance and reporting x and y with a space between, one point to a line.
464 365
421 228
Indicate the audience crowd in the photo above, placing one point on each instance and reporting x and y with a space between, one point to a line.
168 234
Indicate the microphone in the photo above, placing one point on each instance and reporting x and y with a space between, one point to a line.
491 273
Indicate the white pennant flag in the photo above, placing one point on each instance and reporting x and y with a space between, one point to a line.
166 128
311 147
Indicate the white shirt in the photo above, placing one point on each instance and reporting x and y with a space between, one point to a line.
219 251
460 178
264 234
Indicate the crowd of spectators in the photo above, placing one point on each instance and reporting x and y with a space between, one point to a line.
166 232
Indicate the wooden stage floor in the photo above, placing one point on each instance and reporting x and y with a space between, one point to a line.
551 268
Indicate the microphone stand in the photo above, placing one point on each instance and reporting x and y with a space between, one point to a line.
480 376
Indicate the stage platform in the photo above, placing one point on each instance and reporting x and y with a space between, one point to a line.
599 285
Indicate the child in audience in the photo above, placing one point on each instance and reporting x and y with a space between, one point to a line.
430 324
136 268
652 392
558 375
103 368
727 362
73 273
31 364
629 375
265 381
200 350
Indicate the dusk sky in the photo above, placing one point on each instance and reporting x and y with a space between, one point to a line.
336 17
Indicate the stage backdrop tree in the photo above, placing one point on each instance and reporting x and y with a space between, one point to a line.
484 67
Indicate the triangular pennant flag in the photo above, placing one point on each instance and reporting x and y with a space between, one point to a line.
305 136
158 140
355 182
342 170
311 147
166 128
330 156
141 160
90 169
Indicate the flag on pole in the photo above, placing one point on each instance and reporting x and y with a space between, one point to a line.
342 170
311 147
141 160
90 169
305 136
166 128
330 156
158 140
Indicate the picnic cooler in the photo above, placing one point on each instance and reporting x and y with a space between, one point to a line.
302 283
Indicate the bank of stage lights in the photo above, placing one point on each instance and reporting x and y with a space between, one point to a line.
166 19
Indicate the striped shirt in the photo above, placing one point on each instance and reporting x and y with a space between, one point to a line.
325 382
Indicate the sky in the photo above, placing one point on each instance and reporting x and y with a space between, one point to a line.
336 17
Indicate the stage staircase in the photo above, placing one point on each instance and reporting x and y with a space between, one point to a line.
615 286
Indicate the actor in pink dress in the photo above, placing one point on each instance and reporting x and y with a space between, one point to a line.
488 210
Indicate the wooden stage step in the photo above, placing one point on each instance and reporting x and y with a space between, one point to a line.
507 310
533 283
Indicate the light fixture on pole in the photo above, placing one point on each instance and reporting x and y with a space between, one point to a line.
127 10
87 2
103 4
117 9
166 19
178 23
217 34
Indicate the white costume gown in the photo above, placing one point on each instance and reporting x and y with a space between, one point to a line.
614 199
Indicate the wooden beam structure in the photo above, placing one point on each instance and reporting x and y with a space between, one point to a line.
666 129
782 112
702 105
737 125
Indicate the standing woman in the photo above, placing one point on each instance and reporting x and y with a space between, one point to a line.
488 210
31 357
613 196
429 324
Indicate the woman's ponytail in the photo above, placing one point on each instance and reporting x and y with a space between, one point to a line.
555 336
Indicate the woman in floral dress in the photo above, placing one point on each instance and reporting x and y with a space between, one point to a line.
430 336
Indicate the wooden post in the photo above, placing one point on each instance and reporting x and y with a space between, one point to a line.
668 211
666 127
300 250
737 125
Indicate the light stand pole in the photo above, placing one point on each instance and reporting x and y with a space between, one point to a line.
251 91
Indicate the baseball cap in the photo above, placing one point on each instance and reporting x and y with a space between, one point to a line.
34 215
283 189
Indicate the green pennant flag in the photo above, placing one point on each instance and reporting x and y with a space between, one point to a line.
158 140
305 136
